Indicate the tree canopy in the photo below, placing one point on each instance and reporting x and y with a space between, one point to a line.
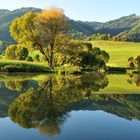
18 52
47 31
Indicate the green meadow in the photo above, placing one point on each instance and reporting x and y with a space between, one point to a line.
119 51
23 66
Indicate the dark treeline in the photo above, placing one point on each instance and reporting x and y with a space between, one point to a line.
121 37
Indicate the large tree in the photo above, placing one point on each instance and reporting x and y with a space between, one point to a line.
23 29
51 23
41 30
46 31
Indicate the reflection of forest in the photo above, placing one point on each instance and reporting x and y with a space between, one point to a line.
47 107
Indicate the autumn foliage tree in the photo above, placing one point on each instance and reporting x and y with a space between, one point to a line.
50 24
40 30
47 31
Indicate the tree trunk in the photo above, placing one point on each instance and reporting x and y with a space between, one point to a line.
51 57
50 86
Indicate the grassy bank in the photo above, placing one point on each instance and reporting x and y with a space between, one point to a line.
35 67
119 51
22 66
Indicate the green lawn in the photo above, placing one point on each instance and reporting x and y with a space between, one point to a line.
22 66
119 51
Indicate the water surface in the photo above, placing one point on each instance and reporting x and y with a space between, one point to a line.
90 106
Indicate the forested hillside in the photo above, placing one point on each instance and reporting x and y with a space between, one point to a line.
125 26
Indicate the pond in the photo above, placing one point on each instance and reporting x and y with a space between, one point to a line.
72 107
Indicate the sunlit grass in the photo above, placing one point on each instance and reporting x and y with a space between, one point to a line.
23 66
119 51
22 62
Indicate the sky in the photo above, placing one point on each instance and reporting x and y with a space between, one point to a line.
85 10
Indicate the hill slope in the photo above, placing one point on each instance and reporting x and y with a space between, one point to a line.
124 25
6 17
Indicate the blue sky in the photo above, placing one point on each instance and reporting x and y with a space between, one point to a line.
86 10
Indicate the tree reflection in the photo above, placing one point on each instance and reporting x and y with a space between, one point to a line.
48 107
15 85
134 79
